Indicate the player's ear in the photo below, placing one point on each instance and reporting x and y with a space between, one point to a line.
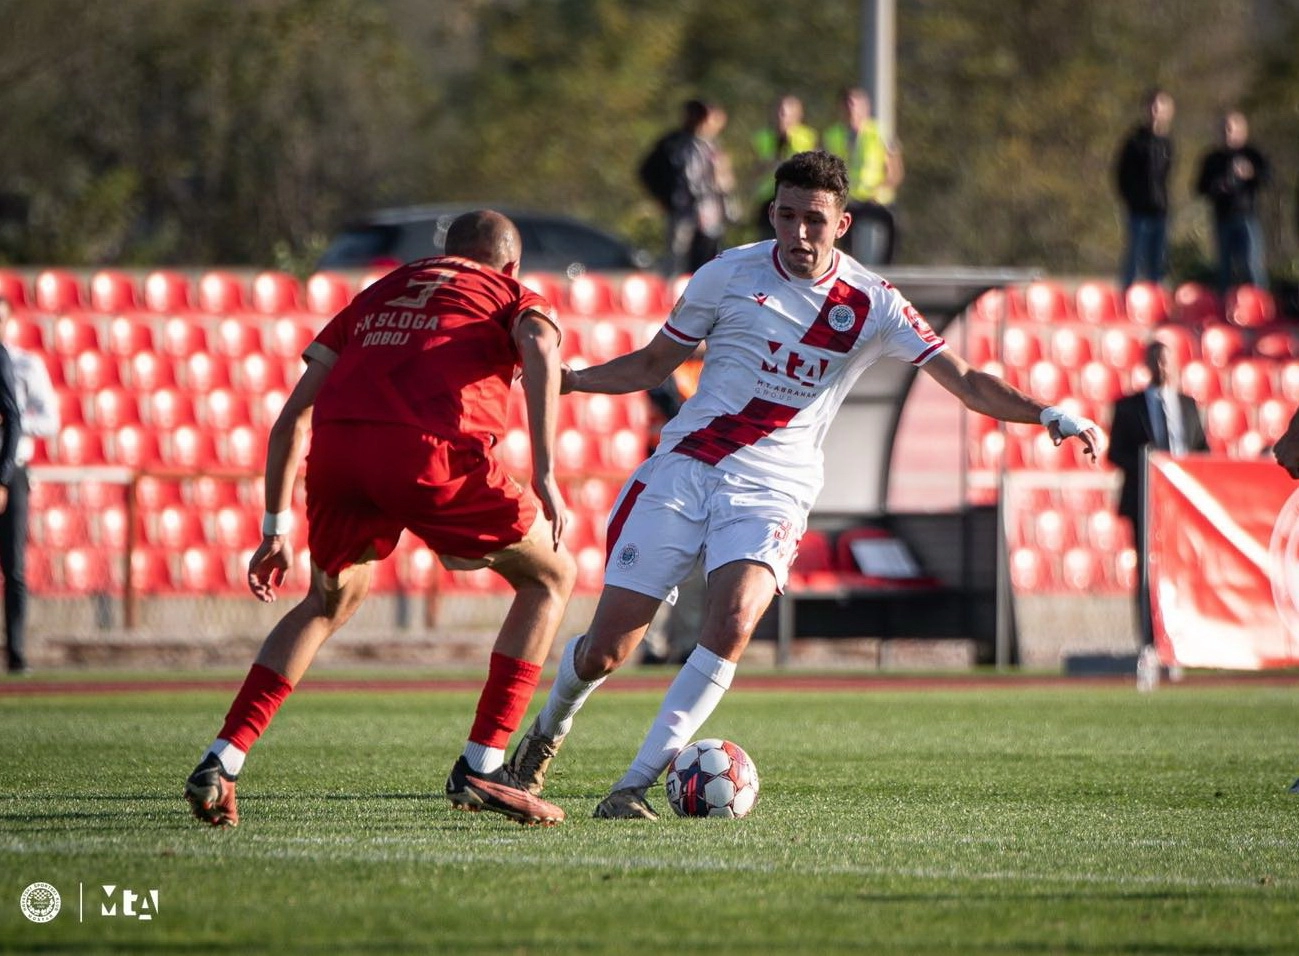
511 268
845 223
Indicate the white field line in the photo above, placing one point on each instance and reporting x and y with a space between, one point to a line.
436 855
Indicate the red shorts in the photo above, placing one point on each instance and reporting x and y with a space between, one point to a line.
365 483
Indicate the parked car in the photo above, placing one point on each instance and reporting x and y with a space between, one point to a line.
551 243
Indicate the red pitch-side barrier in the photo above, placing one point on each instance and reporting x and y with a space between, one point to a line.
1224 562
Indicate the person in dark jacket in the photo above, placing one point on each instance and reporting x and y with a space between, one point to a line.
1230 178
1141 172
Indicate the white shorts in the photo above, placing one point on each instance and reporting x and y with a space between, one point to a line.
675 511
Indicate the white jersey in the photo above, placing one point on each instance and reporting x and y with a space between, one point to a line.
782 355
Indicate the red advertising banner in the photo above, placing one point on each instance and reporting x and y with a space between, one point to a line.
1223 562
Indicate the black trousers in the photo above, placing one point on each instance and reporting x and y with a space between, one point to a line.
13 562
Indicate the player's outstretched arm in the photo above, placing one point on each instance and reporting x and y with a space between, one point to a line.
538 342
636 371
288 440
989 395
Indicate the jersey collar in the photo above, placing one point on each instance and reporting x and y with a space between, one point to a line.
827 278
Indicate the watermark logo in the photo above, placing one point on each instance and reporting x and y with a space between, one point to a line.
40 902
119 901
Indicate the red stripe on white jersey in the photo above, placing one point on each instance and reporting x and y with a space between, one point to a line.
831 330
726 434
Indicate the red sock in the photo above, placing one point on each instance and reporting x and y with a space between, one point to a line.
504 701
259 698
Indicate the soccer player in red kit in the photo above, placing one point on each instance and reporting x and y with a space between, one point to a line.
403 397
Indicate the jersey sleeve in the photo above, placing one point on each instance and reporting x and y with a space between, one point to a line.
695 313
530 301
328 345
907 336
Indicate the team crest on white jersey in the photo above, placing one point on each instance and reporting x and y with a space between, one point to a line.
628 555
841 318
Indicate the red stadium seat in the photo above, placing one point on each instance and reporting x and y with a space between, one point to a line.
200 372
134 446
1279 344
418 569
13 287
86 571
1250 307
124 337
189 447
589 294
549 287
1289 376
1098 383
1069 348
599 414
92 370
606 339
109 528
1251 380
1201 381
1273 417
1251 444
220 293
243 448
1047 382
1001 305
1031 571
1224 423
1020 347
76 445
979 345
995 450
255 375
515 451
200 570
57 292
644 294
1125 569
1221 344
1196 304
265 408
181 336
166 409
1053 531
1107 532
573 454
1121 349
624 450
1181 342
166 293
60 527
1044 301
207 493
234 338
147 371
1147 303
287 337
813 565
327 294
24 333
231 528
71 335
275 293
154 494
112 292
1081 570
221 410
1097 303
112 407
173 528
1046 455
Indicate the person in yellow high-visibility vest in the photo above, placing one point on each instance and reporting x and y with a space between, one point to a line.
874 172
772 145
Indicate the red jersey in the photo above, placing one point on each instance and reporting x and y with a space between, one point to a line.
429 345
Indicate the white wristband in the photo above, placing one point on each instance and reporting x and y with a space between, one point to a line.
277 523
1070 425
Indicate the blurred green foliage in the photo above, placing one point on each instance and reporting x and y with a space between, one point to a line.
147 132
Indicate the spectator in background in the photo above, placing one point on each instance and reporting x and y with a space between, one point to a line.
1162 418
37 417
690 176
1230 178
772 145
1144 163
874 172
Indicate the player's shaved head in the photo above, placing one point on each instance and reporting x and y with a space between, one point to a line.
485 236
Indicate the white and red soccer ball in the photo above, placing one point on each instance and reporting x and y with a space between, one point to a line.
712 778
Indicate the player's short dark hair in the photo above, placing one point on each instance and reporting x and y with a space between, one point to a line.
815 169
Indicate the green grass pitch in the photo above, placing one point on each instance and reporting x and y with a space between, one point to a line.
1021 819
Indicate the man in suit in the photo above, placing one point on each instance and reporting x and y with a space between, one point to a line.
1165 419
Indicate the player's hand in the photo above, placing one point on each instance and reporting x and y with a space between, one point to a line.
268 567
1093 439
566 379
552 506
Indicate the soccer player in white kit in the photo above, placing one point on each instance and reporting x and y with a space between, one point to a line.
789 325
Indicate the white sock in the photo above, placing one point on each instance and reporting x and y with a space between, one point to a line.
483 759
567 695
694 695
231 757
